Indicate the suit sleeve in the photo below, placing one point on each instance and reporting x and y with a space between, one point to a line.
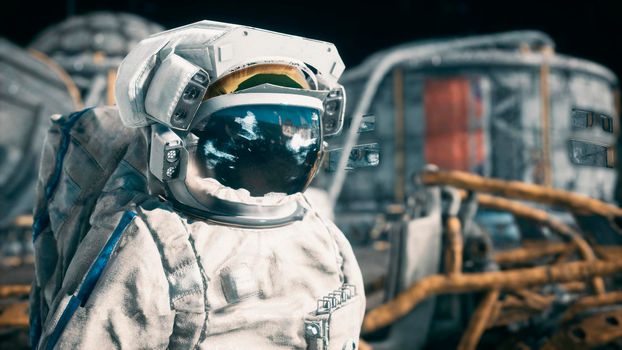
125 306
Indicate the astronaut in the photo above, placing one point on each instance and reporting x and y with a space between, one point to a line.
201 236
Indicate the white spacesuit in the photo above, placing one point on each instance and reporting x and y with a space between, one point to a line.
201 237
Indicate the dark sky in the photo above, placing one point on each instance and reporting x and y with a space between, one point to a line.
589 29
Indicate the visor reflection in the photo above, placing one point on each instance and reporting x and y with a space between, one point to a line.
261 148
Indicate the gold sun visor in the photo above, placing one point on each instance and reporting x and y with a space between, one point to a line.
280 74
279 77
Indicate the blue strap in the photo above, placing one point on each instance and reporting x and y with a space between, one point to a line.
34 333
90 280
70 309
43 218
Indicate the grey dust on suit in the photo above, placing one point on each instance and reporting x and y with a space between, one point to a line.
146 277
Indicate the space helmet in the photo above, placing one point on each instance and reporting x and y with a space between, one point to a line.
232 107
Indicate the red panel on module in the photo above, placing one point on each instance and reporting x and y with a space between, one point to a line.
453 134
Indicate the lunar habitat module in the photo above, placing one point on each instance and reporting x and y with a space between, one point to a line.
503 105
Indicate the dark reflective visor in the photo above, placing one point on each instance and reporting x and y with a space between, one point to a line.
261 148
